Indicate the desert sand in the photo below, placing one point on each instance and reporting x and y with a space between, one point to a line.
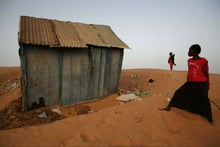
110 122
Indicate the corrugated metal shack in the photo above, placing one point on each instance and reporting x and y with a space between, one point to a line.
67 63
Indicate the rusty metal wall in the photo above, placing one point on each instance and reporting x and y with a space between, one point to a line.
75 76
70 76
106 70
42 75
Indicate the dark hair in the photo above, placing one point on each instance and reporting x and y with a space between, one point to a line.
196 48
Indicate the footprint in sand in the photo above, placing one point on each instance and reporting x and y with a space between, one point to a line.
86 137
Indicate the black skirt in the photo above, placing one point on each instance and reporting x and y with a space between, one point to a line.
193 97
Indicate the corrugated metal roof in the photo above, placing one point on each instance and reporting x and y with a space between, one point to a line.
54 33
37 32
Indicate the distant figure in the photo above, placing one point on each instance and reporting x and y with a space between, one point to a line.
171 60
193 94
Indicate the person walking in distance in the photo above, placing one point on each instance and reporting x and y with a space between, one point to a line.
171 61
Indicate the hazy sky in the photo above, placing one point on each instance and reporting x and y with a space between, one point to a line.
151 28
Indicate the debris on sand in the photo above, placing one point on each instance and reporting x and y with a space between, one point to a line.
83 109
128 97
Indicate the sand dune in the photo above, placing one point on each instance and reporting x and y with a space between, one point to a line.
114 123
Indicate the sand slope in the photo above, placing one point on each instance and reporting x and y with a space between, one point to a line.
113 123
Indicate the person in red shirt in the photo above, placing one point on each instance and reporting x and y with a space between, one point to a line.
193 94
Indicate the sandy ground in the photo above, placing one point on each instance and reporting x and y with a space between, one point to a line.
109 122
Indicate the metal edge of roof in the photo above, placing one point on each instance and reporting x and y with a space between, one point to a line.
29 31
109 31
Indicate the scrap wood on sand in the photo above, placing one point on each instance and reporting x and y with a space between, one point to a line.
115 123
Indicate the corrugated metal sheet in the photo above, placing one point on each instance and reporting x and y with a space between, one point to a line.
54 33
108 36
37 32
67 35
87 34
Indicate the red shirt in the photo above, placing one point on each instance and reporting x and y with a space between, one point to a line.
197 70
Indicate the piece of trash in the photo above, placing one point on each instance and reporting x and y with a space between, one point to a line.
135 76
127 92
132 76
147 92
138 93
128 97
11 86
168 99
42 115
150 81
56 110
91 111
